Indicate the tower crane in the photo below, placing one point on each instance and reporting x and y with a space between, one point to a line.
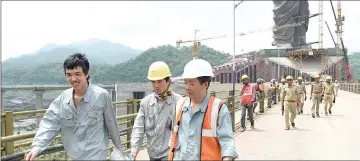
196 42
339 31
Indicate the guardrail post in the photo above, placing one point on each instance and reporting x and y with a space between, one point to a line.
9 130
113 99
3 133
231 106
39 104
130 110
212 93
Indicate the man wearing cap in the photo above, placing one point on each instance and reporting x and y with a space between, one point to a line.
203 127
328 94
247 94
302 91
154 116
315 95
290 99
261 90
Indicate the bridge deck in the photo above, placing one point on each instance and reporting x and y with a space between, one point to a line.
334 137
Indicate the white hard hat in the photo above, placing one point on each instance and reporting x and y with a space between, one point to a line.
197 68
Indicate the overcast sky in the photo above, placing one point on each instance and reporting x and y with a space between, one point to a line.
27 26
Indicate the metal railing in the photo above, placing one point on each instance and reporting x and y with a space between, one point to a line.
15 146
350 87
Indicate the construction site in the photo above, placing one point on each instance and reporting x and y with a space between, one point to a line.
300 59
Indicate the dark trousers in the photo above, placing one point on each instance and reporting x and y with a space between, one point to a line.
249 109
159 159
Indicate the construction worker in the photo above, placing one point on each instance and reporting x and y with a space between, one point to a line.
247 93
202 128
328 94
154 116
336 86
302 93
273 89
83 115
315 95
261 89
268 93
290 99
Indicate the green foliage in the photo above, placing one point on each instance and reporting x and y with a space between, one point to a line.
354 61
133 70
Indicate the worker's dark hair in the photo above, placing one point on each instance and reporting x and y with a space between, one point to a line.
205 79
77 60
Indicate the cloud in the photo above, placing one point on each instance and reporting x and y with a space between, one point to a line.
27 26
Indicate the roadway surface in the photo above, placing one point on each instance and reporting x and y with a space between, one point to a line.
335 137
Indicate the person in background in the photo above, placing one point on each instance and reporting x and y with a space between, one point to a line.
82 114
302 93
154 116
316 94
202 128
247 94
261 88
328 94
337 87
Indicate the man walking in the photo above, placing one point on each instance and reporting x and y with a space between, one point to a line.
336 86
82 114
290 101
247 94
261 87
328 94
315 95
302 91
202 128
154 116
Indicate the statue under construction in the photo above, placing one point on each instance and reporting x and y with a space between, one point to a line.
288 12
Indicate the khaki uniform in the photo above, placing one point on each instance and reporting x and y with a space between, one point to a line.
290 98
302 95
281 89
328 96
316 96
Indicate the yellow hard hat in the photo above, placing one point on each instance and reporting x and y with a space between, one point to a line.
299 78
283 80
289 77
244 77
158 70
317 76
328 78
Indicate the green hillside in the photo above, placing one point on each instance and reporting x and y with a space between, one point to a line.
133 70
354 61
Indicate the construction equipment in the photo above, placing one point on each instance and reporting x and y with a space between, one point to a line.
301 20
338 21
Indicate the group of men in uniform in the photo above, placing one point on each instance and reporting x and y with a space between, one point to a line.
291 96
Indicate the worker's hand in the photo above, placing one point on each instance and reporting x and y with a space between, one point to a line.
133 154
228 158
31 155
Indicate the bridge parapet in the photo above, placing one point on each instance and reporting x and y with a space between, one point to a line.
350 87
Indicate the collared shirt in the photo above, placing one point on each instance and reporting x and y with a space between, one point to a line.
290 93
246 89
84 129
155 121
189 134
328 88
